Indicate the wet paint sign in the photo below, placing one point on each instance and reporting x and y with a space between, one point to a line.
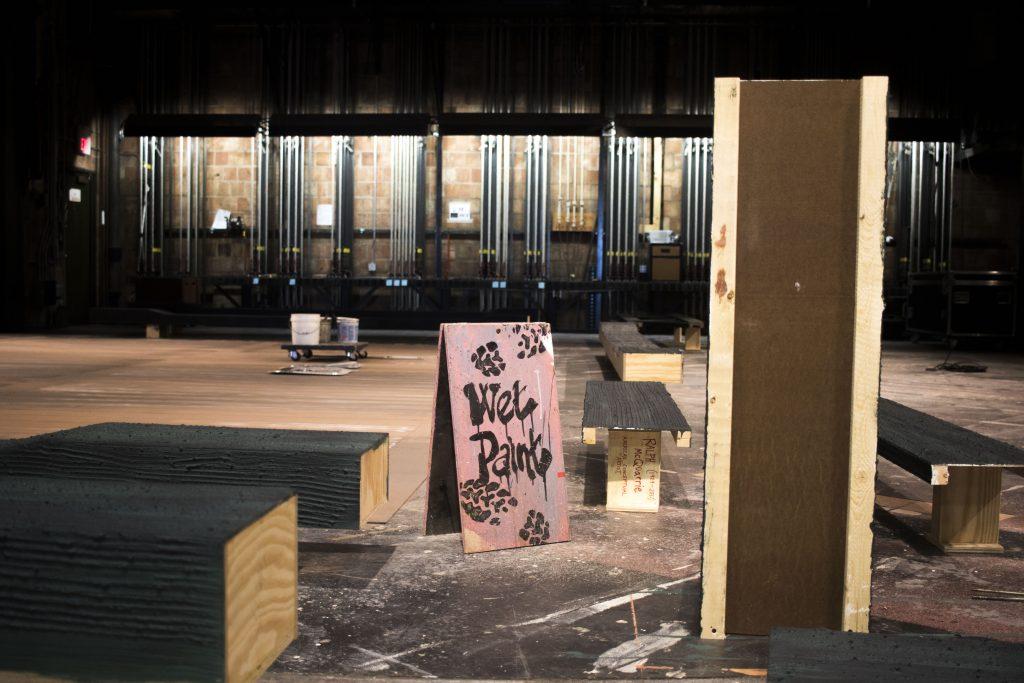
496 471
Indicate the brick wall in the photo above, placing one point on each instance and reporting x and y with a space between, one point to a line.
229 185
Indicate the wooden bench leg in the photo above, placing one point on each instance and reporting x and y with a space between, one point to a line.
159 331
634 470
692 339
965 512
677 337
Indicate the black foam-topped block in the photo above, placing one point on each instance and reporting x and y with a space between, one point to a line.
118 579
322 467
796 654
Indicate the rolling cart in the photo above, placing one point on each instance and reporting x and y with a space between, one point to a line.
351 350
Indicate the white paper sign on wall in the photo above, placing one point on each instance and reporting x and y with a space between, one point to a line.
325 214
458 212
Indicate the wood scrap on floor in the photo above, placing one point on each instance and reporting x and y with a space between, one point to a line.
339 369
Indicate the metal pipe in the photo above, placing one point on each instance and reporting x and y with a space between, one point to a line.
393 211
613 210
704 227
543 227
507 206
633 189
483 198
373 208
499 174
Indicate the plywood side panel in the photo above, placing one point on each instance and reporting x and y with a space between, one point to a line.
788 482
721 314
795 255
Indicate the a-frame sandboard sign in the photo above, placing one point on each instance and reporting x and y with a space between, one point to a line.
496 468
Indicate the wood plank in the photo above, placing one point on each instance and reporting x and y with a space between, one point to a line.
965 512
867 353
818 654
806 216
260 588
721 329
634 470
323 468
373 480
148 589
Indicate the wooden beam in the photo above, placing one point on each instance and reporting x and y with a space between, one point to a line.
721 316
796 245
867 351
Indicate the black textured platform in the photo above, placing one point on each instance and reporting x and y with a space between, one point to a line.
102 579
323 468
916 441
632 405
818 654
626 338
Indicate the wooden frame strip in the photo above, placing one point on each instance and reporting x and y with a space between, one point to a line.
866 353
720 346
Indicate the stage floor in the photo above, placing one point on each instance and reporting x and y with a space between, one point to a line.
620 600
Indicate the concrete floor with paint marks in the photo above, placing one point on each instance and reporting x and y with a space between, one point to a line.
619 600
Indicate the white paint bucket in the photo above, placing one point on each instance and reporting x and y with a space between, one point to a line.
306 328
348 329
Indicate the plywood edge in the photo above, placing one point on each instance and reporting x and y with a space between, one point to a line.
589 435
373 480
261 592
720 362
866 365
683 438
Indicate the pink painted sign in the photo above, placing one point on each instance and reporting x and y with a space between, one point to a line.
496 467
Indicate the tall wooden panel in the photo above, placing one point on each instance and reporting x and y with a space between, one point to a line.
794 354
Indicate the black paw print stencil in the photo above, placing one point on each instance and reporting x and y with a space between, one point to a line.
531 342
484 502
487 359
536 530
